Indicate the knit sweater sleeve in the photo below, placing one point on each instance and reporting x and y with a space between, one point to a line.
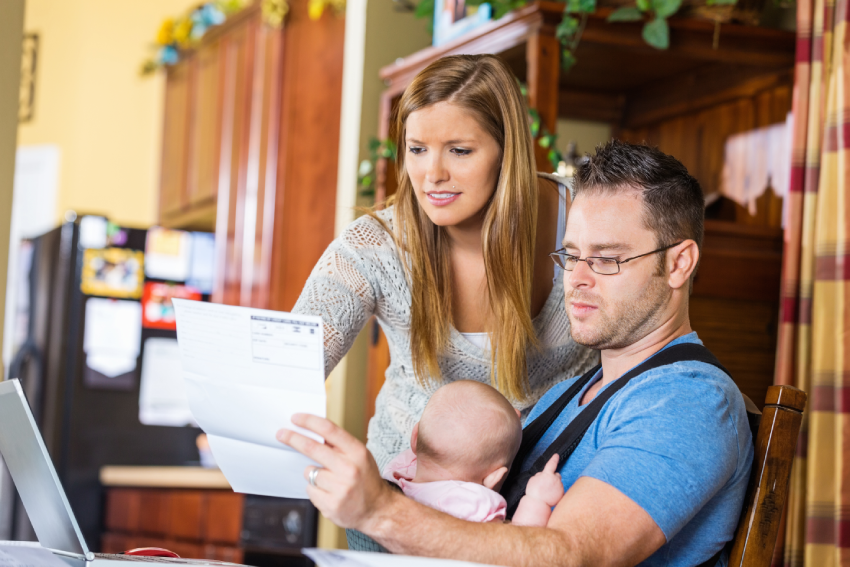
344 287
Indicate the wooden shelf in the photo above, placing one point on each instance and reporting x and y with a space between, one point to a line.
616 64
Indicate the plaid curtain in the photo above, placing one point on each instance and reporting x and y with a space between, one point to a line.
815 322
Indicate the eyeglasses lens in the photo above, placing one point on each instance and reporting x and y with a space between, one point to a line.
605 266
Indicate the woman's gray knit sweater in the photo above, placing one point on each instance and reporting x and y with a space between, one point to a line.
360 275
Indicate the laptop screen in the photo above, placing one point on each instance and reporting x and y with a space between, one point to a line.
35 478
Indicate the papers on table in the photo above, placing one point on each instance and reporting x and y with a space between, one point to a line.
246 372
27 554
340 558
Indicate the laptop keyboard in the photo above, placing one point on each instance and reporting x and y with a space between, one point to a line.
171 560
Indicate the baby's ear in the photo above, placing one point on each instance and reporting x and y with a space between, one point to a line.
414 435
493 481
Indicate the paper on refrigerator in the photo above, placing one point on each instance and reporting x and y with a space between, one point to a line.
246 372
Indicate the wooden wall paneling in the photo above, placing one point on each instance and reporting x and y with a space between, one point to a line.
742 335
703 87
223 518
238 74
187 511
205 137
735 303
122 509
305 203
155 512
698 140
175 138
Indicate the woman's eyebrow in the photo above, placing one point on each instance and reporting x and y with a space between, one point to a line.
446 143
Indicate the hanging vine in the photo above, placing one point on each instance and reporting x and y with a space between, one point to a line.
656 31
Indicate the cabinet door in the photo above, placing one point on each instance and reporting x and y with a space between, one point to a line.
237 56
262 168
205 133
175 139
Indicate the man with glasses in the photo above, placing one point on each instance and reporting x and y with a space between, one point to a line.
654 446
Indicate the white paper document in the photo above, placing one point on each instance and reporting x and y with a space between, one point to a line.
345 558
162 395
246 371
112 336
27 554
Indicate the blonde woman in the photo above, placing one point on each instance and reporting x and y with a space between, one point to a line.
456 269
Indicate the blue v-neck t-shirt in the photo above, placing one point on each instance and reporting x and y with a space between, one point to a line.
676 441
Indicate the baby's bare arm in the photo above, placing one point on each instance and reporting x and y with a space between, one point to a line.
544 491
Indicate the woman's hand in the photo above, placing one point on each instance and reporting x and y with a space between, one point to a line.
349 487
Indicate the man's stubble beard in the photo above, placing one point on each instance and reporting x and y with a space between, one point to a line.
624 322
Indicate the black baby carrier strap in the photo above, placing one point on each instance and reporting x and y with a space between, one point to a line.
514 487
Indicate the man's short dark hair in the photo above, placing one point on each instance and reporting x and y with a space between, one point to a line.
674 207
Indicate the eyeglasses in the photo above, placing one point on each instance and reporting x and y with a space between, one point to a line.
599 264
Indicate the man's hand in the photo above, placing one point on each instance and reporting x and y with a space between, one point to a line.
593 524
349 487
546 485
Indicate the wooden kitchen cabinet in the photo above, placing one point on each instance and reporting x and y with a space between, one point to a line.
175 138
193 523
250 144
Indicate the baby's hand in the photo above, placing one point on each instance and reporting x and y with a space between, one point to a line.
543 491
546 485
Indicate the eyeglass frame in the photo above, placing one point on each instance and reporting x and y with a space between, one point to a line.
562 252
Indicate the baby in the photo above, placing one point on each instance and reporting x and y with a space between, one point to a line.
460 454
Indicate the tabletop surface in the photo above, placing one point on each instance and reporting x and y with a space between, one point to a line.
163 477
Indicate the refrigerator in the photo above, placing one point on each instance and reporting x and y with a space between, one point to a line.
75 303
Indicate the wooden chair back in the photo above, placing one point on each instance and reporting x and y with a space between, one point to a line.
767 493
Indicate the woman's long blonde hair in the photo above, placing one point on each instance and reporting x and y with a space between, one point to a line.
483 85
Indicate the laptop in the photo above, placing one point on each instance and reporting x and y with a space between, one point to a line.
29 463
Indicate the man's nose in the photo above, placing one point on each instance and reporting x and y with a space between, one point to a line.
581 276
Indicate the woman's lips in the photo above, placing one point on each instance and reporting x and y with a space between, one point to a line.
442 199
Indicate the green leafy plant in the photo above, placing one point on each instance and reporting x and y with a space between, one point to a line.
545 139
656 31
378 149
